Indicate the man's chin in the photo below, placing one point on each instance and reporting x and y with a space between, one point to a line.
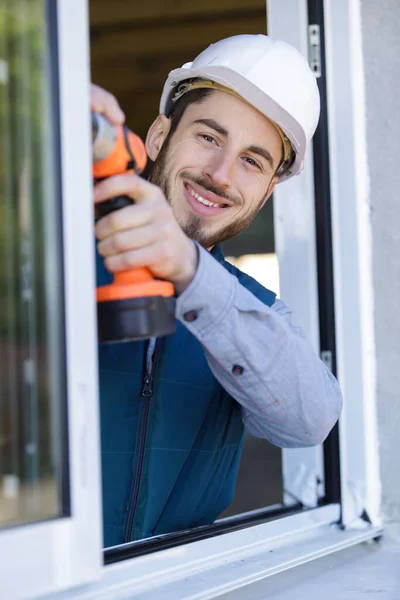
193 227
206 240
197 235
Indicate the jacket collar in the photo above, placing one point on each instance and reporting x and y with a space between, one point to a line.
217 253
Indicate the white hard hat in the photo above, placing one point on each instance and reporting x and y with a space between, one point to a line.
269 74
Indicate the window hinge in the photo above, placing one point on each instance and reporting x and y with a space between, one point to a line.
314 49
326 357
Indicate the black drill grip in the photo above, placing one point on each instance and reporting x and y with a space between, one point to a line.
108 206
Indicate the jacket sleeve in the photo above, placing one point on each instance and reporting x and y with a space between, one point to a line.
287 394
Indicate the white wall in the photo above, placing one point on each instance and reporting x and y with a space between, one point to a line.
381 51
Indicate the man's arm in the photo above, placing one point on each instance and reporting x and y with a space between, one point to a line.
287 394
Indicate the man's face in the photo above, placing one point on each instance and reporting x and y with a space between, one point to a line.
217 169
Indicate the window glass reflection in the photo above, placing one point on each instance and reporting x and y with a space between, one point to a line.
31 340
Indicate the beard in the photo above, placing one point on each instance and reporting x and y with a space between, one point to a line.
193 226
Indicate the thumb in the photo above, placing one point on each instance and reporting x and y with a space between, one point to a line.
105 103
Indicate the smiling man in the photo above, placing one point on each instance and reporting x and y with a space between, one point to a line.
232 125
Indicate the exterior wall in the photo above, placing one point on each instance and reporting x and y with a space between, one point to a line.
381 49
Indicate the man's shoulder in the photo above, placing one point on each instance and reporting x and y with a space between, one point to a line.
262 293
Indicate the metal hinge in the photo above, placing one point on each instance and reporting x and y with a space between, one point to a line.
314 49
326 357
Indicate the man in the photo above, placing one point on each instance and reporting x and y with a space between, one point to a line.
232 124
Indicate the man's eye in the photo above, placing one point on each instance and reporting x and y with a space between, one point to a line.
251 162
207 138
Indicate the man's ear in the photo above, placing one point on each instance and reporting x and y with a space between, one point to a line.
156 136
271 188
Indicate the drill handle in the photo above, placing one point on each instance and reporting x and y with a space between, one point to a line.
109 206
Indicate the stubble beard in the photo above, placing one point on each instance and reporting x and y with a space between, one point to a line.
193 226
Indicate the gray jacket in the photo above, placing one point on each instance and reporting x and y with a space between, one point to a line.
287 394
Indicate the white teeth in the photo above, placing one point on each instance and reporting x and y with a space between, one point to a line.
202 200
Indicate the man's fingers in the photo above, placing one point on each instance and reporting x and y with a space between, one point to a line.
126 240
123 219
126 184
105 103
131 259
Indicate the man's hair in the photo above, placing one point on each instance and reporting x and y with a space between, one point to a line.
178 108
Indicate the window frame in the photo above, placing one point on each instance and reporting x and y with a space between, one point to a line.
64 552
295 243
244 556
352 256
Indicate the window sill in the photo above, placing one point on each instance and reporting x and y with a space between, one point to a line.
209 568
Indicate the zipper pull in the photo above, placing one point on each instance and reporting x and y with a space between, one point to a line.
147 390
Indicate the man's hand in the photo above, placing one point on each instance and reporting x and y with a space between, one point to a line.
105 103
145 234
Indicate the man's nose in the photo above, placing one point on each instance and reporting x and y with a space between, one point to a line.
220 170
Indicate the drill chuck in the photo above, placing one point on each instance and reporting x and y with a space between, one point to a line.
104 137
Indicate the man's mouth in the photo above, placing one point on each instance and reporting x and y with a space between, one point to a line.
205 206
203 200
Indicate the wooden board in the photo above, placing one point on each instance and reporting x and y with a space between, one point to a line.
160 39
110 12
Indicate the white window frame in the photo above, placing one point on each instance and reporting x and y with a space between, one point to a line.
351 239
352 257
66 553
295 244
46 557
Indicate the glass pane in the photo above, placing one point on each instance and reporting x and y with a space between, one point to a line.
31 328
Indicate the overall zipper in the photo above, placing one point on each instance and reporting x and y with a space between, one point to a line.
138 462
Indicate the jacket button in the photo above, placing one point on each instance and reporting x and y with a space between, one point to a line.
190 316
237 369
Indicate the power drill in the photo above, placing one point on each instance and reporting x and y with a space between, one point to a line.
135 306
